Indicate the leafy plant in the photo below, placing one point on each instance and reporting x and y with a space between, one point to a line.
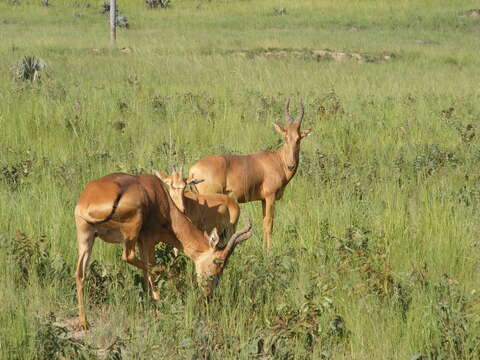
455 315
114 350
432 158
360 255
328 105
122 21
101 279
14 174
30 255
52 342
105 7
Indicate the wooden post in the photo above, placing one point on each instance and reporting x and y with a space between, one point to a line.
113 21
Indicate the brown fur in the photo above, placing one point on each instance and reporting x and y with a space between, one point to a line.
206 211
143 216
261 176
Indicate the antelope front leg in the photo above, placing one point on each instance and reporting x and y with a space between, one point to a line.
129 257
268 207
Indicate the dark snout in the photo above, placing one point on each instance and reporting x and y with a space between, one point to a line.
207 285
291 167
207 293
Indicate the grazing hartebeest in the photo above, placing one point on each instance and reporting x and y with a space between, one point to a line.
137 211
208 211
259 176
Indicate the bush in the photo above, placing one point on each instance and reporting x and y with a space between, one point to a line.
155 4
28 68
121 20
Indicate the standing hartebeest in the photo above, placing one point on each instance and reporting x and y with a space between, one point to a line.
259 176
137 211
208 211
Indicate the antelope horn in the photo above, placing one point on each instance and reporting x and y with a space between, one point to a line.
239 236
288 118
300 115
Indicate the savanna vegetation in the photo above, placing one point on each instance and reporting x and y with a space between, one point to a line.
376 248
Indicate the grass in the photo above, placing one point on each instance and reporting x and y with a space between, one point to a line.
376 248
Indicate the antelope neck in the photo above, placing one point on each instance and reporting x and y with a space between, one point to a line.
280 152
192 240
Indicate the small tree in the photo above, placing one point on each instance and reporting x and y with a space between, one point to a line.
113 21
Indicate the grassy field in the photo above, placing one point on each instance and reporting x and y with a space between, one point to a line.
376 249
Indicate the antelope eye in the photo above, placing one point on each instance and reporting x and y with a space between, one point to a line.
218 262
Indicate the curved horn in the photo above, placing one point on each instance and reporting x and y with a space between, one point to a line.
300 115
288 118
239 236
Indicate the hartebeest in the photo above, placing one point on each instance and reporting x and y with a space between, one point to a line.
137 211
259 176
207 211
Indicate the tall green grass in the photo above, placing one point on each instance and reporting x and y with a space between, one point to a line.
376 248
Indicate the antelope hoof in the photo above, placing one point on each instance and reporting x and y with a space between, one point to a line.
83 325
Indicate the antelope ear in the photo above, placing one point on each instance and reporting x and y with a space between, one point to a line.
194 181
305 133
213 238
280 129
165 178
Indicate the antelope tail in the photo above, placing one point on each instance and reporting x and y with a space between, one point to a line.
93 221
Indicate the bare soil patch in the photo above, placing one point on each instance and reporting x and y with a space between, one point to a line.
78 336
473 13
71 324
326 54
354 29
124 50
426 42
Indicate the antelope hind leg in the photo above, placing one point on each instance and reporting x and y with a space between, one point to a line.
148 255
85 240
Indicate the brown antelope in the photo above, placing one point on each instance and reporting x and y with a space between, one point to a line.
137 211
207 212
259 176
